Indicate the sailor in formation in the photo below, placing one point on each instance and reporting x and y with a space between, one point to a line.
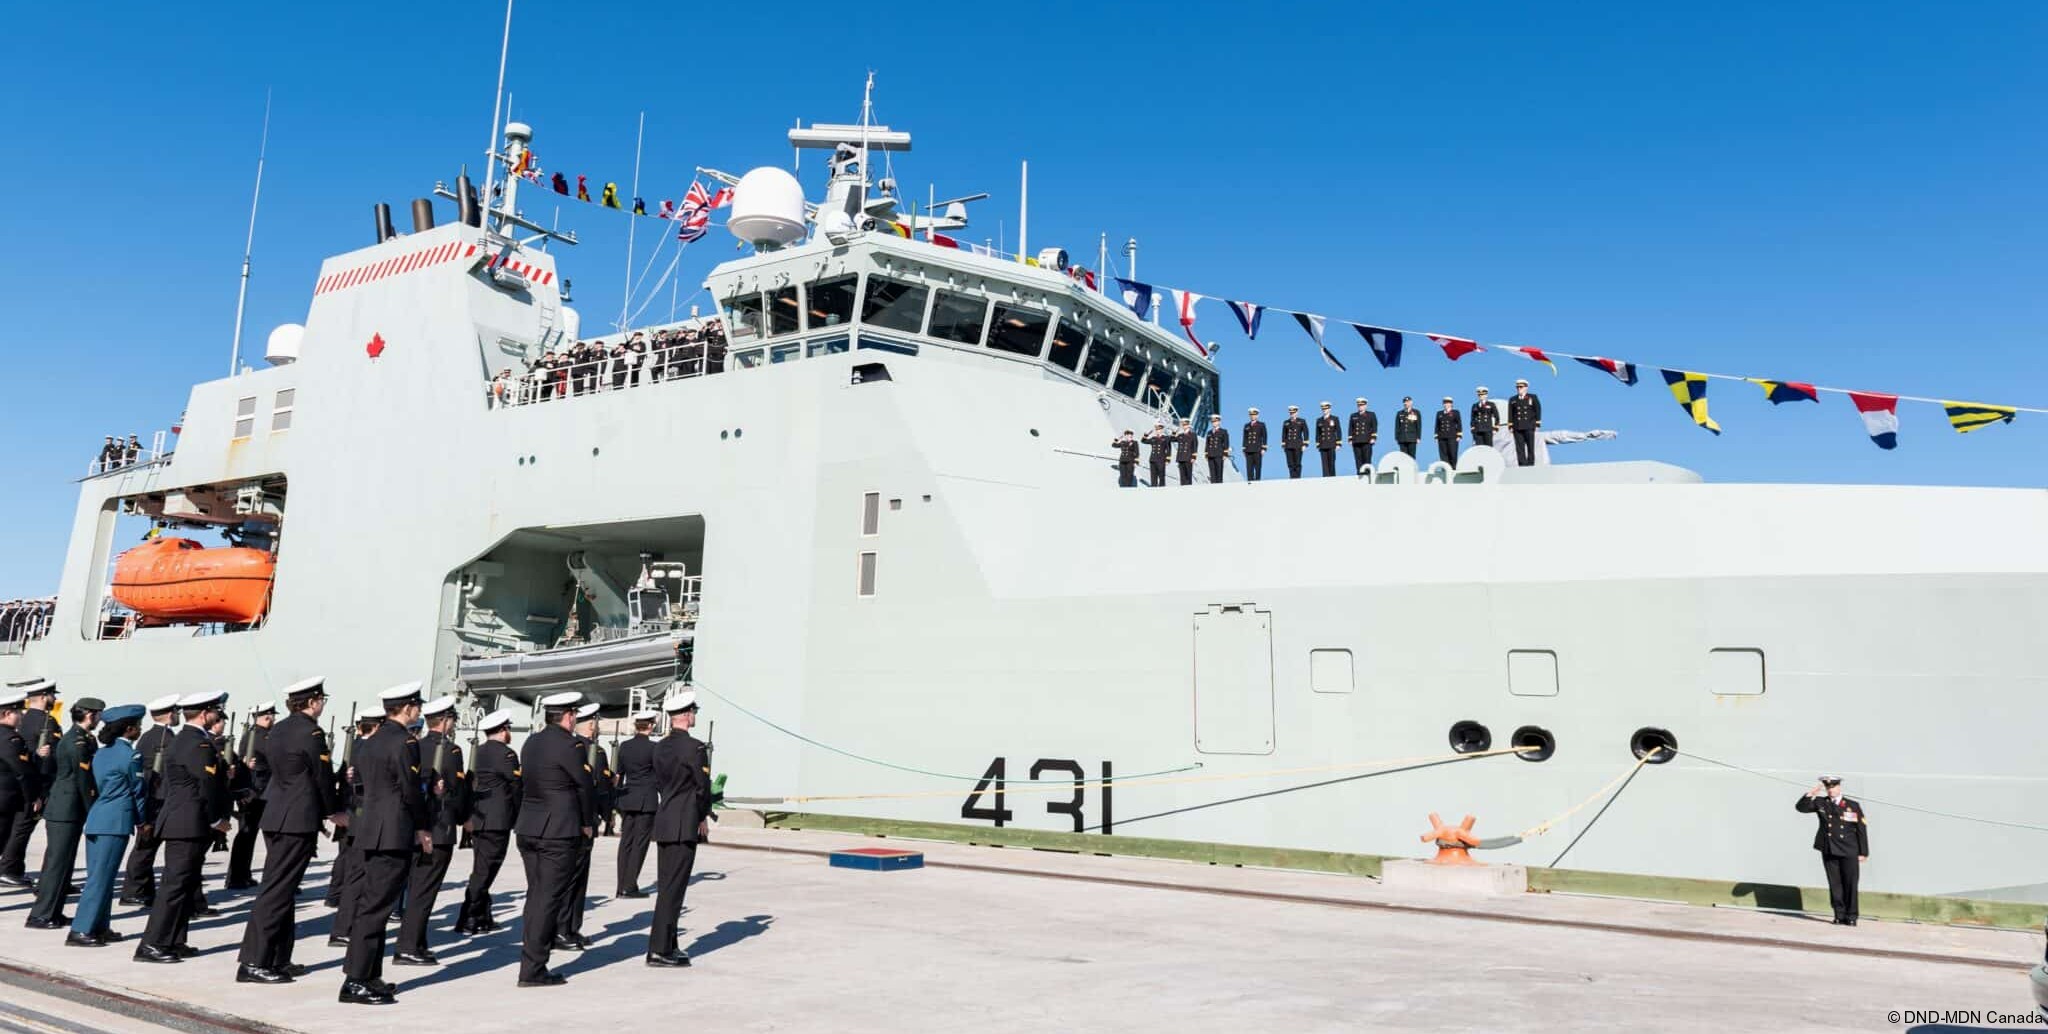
444 785
1525 418
20 777
1253 441
683 770
1184 445
570 935
1842 836
555 817
300 796
1485 419
1216 448
40 732
1127 459
191 807
1364 433
1293 439
1407 426
637 799
392 827
343 879
255 774
1158 446
1328 434
138 884
494 812
68 796
1450 426
115 814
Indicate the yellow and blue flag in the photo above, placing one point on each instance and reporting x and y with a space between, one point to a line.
1787 391
1690 389
1969 416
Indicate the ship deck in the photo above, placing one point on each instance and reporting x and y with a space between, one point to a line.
1001 939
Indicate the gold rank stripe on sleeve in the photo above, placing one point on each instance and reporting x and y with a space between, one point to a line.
324 757
210 770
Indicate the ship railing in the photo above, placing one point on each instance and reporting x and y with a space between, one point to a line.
25 621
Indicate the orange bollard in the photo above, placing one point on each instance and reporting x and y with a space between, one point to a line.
1453 843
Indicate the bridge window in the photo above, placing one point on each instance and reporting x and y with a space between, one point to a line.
1130 370
1068 341
1186 394
1018 330
245 417
867 574
1159 388
832 301
744 317
958 317
1101 360
894 305
281 409
828 346
782 311
784 353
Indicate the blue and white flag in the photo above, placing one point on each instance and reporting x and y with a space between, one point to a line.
1385 344
1247 314
1138 296
1314 325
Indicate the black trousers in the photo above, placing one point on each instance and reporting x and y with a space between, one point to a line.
1361 456
1126 475
636 829
1293 462
422 886
489 849
1187 471
171 917
1447 450
1329 461
1407 447
571 918
267 940
550 876
60 855
1215 470
242 851
673 866
14 854
1254 465
1482 437
341 884
380 879
1525 447
1843 872
138 881
1157 472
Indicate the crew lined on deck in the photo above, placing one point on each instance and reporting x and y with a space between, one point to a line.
588 367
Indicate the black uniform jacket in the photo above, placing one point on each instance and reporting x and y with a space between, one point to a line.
38 730
1844 829
18 775
194 796
1328 432
683 768
1525 412
638 790
1484 417
392 807
1217 445
1408 425
1293 434
258 757
72 787
1449 424
555 798
1126 451
496 800
1365 426
1159 446
1184 446
450 809
300 792
603 784
1254 436
151 748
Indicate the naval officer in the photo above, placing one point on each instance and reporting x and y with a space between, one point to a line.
1159 445
444 783
1842 837
343 877
1126 459
1328 434
192 806
40 732
494 812
683 767
300 794
1293 439
1254 442
638 796
555 816
1184 442
1216 448
1485 419
1364 434
19 775
1407 426
1525 418
256 771
570 934
138 884
65 804
392 826
1450 427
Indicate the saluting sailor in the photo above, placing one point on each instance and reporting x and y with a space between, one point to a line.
1158 445
1127 459
1842 837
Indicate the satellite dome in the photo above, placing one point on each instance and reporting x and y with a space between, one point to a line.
767 209
519 131
283 344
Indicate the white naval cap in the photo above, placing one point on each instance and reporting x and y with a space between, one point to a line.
588 710
437 706
266 707
304 687
677 703
561 701
205 698
33 686
645 716
163 703
11 698
1519 383
401 693
1481 389
494 720
1361 400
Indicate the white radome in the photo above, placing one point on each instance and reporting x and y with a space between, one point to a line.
767 208
283 344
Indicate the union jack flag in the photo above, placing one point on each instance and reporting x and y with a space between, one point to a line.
693 219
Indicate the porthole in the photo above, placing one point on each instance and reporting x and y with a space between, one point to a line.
723 435
1647 739
593 450
1536 737
736 432
1471 738
1034 432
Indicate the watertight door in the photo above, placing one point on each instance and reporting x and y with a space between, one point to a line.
1234 680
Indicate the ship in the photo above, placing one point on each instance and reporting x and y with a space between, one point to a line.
868 508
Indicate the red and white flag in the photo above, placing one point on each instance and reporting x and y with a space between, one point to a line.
1880 417
1456 348
1184 304
1535 354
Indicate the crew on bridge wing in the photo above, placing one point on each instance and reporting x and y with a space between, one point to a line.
587 367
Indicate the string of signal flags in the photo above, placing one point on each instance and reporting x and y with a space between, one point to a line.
1879 410
692 215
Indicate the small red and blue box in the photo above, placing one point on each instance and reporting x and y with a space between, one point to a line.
877 859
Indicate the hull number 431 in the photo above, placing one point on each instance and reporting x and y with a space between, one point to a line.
989 801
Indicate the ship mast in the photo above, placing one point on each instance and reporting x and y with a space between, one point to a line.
249 244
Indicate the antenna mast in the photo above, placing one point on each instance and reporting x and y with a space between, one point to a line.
497 106
632 224
867 107
249 245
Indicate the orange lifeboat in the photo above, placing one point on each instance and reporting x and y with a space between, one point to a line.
172 580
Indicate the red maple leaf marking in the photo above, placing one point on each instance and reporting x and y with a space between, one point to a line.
376 345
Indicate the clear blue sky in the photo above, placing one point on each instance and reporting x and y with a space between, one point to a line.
1850 194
